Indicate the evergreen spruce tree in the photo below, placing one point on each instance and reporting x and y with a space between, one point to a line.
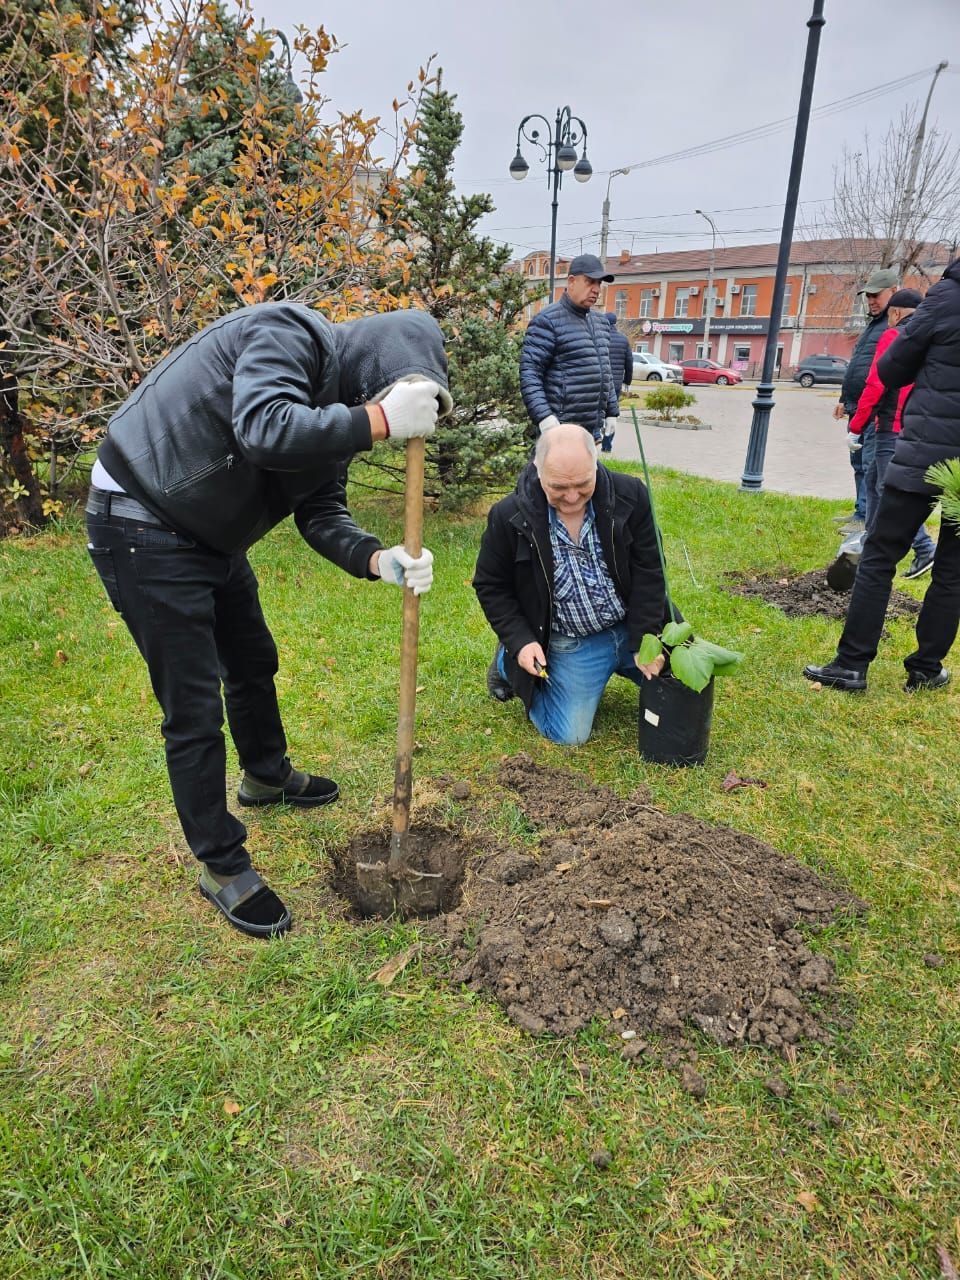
460 277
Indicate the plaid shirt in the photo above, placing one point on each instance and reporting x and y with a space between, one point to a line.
585 599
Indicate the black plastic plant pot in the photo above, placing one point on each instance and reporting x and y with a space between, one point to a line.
674 725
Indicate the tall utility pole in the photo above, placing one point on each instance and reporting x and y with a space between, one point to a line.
709 307
752 477
605 224
909 191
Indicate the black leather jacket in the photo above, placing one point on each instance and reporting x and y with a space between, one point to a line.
514 574
257 416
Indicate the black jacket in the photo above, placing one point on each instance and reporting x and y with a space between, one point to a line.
927 353
514 574
565 367
855 378
256 417
621 357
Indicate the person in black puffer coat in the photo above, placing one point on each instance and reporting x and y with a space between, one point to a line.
565 362
926 353
253 419
621 370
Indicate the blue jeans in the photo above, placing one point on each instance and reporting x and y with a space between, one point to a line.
885 442
859 468
580 668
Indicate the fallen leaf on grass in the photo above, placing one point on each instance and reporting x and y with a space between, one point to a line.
394 966
230 1107
733 780
808 1201
59 658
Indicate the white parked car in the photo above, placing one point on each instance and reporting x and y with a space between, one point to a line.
650 368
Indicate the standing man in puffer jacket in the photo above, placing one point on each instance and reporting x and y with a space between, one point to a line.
565 362
927 354
253 419
621 370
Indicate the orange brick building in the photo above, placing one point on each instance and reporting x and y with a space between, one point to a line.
661 302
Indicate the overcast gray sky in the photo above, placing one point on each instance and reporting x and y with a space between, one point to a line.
647 80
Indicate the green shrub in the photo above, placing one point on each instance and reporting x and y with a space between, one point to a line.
668 397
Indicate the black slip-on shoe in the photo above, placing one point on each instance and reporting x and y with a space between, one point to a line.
306 790
836 677
497 687
843 571
249 904
919 680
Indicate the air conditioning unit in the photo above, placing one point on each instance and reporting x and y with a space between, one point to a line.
694 292
734 288
811 288
655 293
788 322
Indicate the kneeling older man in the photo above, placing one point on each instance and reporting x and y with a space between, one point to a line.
569 578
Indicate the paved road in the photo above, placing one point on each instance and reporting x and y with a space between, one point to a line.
806 449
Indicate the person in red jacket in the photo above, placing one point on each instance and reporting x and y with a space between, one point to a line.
884 404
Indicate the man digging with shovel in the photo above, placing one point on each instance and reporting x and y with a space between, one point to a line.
253 419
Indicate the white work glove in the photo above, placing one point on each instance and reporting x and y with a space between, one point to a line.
550 421
411 409
609 426
404 570
854 443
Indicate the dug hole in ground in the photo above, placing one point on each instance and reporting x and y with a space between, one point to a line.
658 925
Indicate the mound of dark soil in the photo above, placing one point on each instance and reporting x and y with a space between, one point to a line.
656 922
809 594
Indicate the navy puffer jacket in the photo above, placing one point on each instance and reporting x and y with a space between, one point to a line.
927 353
621 357
565 367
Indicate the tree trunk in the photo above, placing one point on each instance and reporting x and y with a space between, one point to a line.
14 455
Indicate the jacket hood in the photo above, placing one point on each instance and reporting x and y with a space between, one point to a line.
953 271
375 351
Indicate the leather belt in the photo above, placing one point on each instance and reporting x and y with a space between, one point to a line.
102 502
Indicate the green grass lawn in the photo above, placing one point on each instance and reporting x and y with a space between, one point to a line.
179 1101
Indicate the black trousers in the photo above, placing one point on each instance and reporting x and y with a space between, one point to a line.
196 618
899 516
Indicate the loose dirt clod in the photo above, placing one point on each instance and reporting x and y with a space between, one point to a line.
809 594
661 919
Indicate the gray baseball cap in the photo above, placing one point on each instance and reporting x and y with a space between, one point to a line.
882 278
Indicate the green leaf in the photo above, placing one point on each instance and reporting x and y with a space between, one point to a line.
650 648
692 666
676 633
946 477
724 660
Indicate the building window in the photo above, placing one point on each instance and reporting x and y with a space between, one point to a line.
741 356
748 300
674 351
681 304
646 303
620 304
704 353
787 295
710 302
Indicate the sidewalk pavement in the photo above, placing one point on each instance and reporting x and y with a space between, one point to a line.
806 447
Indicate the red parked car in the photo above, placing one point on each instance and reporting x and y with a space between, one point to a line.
708 371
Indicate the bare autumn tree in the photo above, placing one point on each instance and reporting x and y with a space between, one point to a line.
147 190
880 217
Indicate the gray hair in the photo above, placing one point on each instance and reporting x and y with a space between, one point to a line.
570 431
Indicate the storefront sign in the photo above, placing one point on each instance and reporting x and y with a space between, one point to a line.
719 324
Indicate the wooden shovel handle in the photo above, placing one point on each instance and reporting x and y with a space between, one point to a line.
409 640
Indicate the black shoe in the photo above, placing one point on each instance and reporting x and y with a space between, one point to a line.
306 790
919 566
917 680
497 687
836 677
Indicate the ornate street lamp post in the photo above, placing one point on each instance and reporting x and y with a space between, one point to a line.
752 477
560 154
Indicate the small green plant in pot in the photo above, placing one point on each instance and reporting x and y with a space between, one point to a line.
676 709
693 660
